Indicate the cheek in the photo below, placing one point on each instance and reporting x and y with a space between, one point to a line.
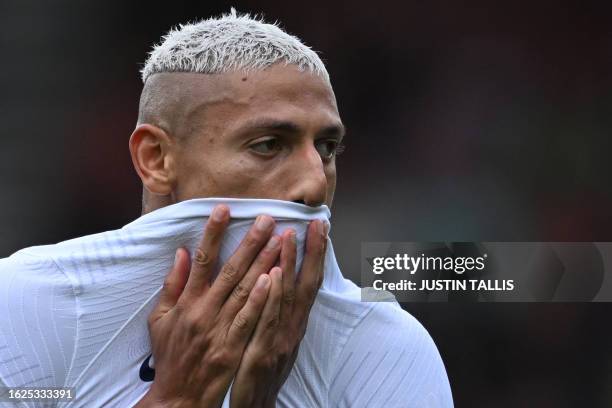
330 175
203 171
239 176
231 177
330 172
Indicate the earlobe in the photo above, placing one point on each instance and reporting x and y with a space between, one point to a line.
151 156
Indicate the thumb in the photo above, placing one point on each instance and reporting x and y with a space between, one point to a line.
174 284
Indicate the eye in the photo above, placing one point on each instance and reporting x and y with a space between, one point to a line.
329 148
266 146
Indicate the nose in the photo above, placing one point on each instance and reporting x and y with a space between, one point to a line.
308 181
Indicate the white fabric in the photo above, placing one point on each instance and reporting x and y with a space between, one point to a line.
74 314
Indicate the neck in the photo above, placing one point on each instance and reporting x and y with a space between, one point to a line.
152 202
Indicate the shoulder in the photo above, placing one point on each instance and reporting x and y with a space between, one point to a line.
37 320
64 263
391 360
32 285
35 265
389 317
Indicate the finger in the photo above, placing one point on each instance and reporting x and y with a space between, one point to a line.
246 319
287 264
268 323
174 284
205 256
265 260
235 268
310 277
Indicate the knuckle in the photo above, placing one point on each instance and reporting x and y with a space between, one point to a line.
251 240
240 293
228 272
192 322
289 297
241 322
220 359
202 258
267 251
179 307
272 323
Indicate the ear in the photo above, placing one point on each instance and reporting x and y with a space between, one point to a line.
151 151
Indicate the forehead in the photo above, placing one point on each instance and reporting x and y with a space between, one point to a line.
281 91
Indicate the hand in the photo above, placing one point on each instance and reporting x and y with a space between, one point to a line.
270 354
199 330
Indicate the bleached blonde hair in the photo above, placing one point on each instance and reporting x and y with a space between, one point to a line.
232 42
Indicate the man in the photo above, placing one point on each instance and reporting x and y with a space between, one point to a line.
231 107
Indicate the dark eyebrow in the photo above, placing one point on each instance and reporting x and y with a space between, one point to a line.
285 126
338 131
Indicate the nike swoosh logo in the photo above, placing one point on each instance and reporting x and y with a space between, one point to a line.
147 373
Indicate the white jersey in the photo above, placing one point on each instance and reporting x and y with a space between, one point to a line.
74 314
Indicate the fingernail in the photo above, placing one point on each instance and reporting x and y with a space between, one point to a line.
219 213
273 242
325 228
263 223
292 237
263 281
278 273
176 257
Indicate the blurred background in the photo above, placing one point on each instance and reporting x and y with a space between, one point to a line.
467 121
